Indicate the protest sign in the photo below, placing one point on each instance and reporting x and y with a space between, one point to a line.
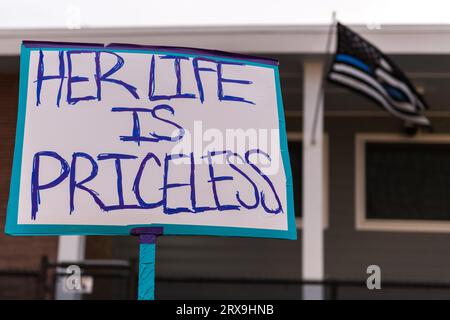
110 138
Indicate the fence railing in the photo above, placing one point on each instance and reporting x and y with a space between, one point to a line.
118 280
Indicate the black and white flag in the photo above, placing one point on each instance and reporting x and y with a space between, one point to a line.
362 67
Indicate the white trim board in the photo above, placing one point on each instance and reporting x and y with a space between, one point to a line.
301 39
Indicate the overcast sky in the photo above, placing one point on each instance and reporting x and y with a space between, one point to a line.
139 13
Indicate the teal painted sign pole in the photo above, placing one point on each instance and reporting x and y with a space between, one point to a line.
147 249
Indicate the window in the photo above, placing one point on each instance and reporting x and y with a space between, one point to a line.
295 146
403 183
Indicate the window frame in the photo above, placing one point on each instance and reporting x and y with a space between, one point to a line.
362 223
296 136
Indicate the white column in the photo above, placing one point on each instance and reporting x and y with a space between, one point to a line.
70 249
313 188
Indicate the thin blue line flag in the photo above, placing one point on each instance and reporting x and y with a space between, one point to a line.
361 67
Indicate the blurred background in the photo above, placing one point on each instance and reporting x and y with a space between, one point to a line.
385 195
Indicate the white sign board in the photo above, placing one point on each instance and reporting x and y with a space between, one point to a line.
114 137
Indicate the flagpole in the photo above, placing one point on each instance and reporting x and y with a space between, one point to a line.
321 93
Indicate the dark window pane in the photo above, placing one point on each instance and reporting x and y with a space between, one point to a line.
295 153
408 181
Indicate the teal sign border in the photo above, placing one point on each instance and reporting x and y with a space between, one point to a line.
13 228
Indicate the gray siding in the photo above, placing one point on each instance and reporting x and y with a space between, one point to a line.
404 256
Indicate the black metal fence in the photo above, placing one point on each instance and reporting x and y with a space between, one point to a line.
200 288
112 280
118 280
20 284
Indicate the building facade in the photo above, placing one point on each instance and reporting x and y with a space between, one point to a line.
366 193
